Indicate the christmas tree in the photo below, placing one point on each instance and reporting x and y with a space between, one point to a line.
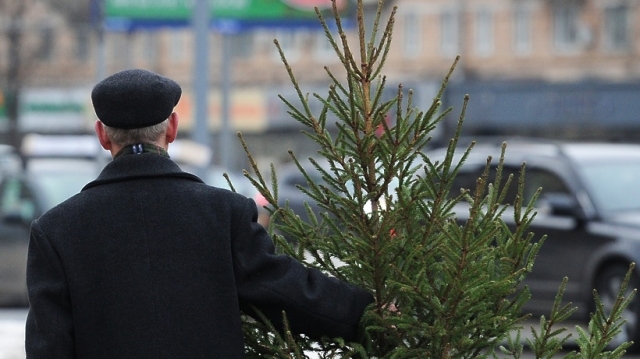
385 221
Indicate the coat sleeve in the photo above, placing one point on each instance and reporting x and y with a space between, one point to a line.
315 304
49 326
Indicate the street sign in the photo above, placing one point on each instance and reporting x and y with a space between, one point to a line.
231 15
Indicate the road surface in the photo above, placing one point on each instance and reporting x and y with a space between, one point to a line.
12 334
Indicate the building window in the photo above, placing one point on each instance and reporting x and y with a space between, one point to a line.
151 47
522 29
412 45
215 43
242 46
484 32
616 28
116 47
83 39
291 42
566 26
449 32
324 50
177 47
47 43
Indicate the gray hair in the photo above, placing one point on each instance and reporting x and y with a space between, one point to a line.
124 137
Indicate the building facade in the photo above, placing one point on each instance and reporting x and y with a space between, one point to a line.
539 42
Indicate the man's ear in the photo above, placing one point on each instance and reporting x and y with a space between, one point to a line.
105 142
172 130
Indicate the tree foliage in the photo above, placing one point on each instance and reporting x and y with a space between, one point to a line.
387 223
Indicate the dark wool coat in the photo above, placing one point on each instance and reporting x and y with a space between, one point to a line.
149 262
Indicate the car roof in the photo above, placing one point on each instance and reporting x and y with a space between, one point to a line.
592 152
519 150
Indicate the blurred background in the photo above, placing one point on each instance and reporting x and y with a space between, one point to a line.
546 68
560 69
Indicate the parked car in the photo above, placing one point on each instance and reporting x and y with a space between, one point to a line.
215 177
57 167
196 158
290 179
24 196
290 183
10 160
589 208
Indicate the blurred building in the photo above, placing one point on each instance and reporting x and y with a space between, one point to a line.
542 67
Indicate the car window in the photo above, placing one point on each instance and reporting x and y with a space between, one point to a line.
548 181
56 179
16 199
468 180
613 185
464 180
57 187
534 179
298 179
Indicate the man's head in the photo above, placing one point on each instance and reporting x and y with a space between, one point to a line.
135 106
134 99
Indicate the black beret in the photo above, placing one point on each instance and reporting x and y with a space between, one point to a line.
135 99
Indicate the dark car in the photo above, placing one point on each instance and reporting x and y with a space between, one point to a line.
290 184
23 197
589 208
290 180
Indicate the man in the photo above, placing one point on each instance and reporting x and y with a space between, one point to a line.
149 262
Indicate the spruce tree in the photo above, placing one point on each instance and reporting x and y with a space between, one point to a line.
386 223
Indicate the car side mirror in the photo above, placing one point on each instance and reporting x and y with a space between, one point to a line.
560 204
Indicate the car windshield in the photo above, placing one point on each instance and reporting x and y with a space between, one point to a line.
58 186
59 179
614 185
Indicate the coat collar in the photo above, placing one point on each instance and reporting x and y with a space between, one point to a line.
139 166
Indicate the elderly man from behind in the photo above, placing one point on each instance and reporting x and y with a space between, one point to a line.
147 261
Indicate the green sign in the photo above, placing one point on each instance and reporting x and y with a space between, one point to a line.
261 10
